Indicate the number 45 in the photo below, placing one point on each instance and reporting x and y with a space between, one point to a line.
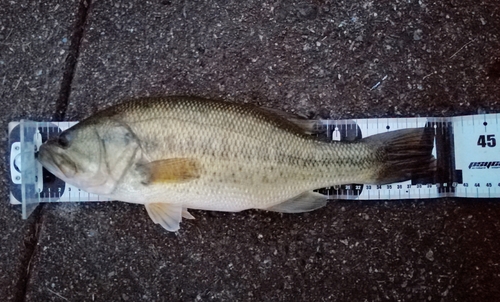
487 140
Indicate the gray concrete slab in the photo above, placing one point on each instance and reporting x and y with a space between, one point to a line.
412 251
33 48
317 58
323 57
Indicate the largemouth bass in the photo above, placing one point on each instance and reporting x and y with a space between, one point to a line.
178 153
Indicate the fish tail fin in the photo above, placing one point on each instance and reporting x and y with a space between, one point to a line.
403 154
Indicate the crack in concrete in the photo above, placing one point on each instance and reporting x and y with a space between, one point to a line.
31 244
60 113
71 60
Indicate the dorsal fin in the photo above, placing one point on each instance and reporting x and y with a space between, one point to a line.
302 124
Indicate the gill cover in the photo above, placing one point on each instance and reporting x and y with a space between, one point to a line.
93 155
118 150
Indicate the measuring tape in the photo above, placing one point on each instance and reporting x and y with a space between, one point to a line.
465 147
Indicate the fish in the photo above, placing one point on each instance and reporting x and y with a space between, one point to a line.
178 153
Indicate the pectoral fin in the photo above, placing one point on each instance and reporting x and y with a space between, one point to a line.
305 202
167 215
172 170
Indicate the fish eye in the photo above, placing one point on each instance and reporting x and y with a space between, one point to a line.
64 139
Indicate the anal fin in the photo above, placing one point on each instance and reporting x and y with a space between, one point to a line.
305 202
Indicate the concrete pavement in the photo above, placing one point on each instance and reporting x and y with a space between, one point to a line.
62 60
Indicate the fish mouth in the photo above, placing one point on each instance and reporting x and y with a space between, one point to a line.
56 162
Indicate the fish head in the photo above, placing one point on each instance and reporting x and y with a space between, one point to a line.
92 156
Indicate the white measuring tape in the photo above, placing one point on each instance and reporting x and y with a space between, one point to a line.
466 149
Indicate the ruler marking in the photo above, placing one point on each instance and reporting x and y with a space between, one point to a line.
446 187
345 123
357 128
485 123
